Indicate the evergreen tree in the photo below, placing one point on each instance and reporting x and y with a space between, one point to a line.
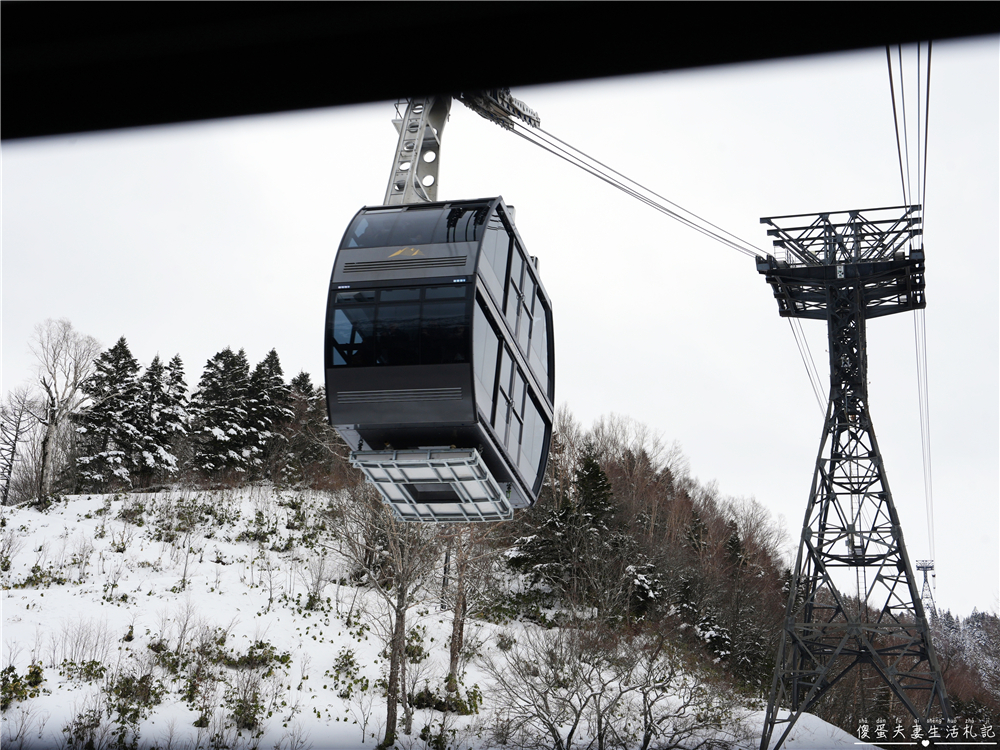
735 554
594 498
219 415
310 439
577 549
164 418
109 432
175 416
268 410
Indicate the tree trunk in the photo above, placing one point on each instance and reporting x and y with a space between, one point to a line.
404 695
15 423
397 651
457 624
48 459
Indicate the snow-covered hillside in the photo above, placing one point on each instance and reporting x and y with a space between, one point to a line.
226 619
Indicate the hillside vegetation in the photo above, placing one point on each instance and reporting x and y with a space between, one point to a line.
208 571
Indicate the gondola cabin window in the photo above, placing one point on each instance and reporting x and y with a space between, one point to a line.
410 326
495 252
486 348
539 355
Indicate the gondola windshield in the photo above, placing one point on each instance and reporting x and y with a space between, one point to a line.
417 226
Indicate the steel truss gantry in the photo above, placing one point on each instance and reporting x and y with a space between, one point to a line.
853 600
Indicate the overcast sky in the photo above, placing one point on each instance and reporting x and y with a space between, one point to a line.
188 239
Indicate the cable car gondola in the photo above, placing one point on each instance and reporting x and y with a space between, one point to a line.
440 359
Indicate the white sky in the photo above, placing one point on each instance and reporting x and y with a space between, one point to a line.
187 239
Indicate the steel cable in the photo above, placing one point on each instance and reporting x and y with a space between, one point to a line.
895 120
602 171
743 242
577 158
919 316
927 123
906 142
806 355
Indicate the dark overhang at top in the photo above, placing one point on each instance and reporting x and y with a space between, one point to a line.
77 67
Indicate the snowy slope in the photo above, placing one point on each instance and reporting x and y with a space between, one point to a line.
225 574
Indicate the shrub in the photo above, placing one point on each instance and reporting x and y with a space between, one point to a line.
346 674
15 688
88 671
40 578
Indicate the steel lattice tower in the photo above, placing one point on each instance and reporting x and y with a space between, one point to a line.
926 595
853 600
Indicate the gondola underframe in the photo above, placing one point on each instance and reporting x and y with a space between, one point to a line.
436 485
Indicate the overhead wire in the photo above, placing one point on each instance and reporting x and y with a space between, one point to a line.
927 122
919 316
895 121
560 148
631 187
747 246
906 142
807 360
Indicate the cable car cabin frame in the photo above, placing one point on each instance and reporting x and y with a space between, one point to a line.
440 364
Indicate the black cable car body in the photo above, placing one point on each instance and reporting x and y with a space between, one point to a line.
440 359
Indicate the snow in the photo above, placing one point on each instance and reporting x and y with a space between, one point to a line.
122 577
812 733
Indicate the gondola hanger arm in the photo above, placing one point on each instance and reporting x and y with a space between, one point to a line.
414 174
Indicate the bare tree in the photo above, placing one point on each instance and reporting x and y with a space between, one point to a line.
65 359
679 704
17 417
469 565
540 688
575 687
567 440
394 558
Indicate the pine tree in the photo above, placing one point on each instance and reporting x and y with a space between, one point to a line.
594 498
109 432
219 415
176 418
268 410
164 418
310 439
577 549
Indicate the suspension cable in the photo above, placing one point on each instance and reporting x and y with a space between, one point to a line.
895 120
560 148
807 360
919 316
927 122
917 149
920 341
744 243
635 192
920 331
629 186
906 142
